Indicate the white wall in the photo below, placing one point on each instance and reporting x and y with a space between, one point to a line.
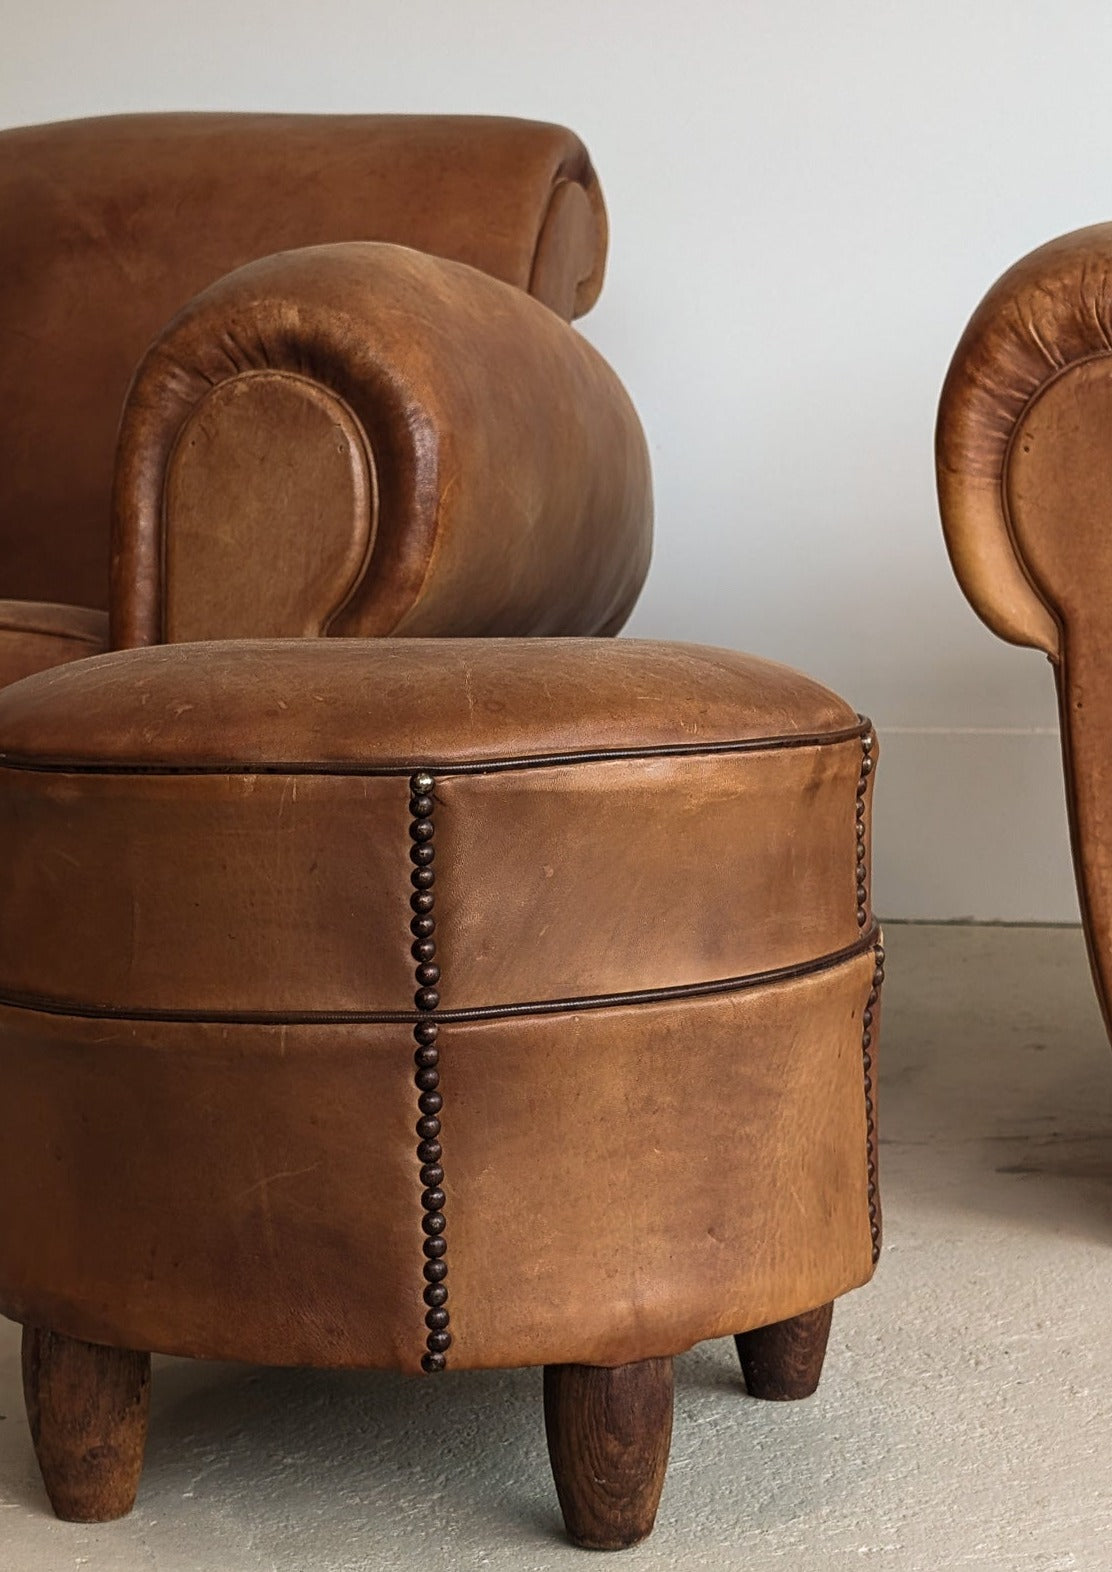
807 198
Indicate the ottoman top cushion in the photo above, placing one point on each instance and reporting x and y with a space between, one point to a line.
390 704
228 830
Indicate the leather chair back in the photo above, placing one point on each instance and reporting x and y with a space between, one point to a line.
109 226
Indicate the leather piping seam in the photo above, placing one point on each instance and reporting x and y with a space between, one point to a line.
445 770
426 1058
482 1012
1039 592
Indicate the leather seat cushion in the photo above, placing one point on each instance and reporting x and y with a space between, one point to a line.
610 818
35 635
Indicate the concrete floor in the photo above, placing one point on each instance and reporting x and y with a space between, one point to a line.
965 1418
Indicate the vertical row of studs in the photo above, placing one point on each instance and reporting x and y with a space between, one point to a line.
867 1021
426 1057
862 844
869 1016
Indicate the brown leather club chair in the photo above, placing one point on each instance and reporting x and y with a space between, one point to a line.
352 402
1024 478
638 994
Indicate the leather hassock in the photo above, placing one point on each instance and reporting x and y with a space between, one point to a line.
536 980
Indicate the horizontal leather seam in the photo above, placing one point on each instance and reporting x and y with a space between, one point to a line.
445 771
492 1012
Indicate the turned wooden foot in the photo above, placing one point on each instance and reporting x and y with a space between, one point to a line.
87 1407
783 1361
608 1437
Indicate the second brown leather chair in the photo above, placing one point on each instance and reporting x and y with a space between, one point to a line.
1025 482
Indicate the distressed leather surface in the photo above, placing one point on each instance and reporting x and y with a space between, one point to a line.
207 998
109 226
660 1173
35 637
265 467
251 881
262 704
383 442
620 1183
1025 483
206 1189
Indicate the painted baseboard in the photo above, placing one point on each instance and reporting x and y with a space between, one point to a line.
972 824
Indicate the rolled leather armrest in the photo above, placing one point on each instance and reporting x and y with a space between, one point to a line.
360 439
1024 474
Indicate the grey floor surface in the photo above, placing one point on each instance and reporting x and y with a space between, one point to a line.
965 1417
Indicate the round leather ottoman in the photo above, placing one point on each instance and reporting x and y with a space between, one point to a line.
427 1004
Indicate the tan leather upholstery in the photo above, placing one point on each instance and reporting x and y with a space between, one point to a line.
359 439
620 1182
271 907
34 637
109 227
1045 319
654 955
1025 483
281 703
295 712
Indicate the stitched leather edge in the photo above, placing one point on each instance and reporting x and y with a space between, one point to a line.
491 1012
446 769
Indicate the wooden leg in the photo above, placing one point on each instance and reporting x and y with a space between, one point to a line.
783 1361
609 1431
87 1407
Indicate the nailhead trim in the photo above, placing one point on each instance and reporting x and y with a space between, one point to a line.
863 917
426 1078
427 1056
867 744
867 1020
